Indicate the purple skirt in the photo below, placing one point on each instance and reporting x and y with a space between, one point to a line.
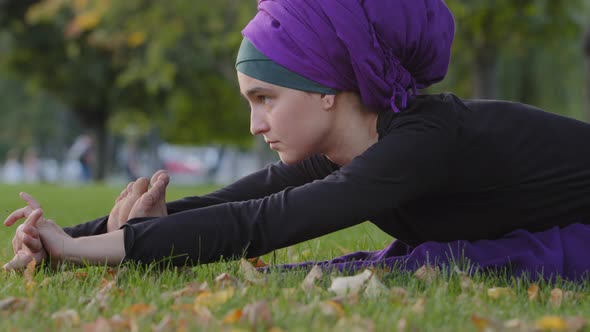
563 252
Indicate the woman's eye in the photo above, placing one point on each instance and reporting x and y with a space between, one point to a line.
263 99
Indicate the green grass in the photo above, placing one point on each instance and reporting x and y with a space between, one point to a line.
440 305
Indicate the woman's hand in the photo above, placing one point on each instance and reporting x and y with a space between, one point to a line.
26 243
137 201
55 241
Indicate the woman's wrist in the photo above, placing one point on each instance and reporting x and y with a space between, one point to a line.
101 249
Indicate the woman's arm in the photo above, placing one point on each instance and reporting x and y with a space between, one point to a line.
408 164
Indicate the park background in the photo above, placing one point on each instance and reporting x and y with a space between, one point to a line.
141 85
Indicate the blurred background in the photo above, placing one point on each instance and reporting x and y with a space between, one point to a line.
103 90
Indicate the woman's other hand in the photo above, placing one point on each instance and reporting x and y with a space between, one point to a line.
132 204
26 243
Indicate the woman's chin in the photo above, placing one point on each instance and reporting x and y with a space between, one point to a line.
289 159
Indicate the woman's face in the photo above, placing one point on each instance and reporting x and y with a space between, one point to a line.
294 123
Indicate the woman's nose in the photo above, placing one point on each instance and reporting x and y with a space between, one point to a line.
258 122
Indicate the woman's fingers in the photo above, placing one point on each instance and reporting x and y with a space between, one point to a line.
21 213
34 244
34 217
17 215
31 202
19 261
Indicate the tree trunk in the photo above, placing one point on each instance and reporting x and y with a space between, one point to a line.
101 148
485 82
587 56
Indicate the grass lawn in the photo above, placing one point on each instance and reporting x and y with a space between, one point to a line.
203 298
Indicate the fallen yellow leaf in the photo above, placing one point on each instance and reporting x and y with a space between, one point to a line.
213 300
551 323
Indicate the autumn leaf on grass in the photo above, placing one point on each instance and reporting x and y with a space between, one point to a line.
427 274
189 290
556 297
250 273
375 288
533 292
12 304
116 323
213 299
257 315
327 308
555 323
257 262
500 293
486 324
344 285
139 310
100 299
28 277
66 319
308 283
355 324
225 280
398 294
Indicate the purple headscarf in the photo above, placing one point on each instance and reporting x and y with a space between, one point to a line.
379 48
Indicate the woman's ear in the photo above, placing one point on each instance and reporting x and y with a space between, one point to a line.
328 101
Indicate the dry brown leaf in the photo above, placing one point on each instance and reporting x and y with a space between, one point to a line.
225 280
344 285
257 315
500 292
375 288
398 294
12 303
100 299
66 318
419 306
99 325
427 273
308 283
556 297
189 290
533 292
139 309
28 277
250 273
203 315
257 262
331 308
213 300
233 316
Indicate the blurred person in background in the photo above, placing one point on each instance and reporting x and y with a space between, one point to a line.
12 172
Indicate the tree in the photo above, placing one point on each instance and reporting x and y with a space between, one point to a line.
172 61
486 29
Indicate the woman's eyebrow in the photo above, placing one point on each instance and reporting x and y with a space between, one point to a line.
255 90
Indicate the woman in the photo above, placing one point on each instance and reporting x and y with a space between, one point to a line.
332 88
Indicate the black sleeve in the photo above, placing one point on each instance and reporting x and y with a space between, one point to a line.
405 165
273 178
269 180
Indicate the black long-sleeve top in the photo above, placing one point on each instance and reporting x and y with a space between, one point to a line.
444 169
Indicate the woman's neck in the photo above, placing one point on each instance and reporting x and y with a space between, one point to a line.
354 132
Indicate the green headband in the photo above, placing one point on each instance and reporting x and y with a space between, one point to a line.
257 65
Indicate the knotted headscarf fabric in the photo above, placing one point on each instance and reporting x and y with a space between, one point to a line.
382 49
